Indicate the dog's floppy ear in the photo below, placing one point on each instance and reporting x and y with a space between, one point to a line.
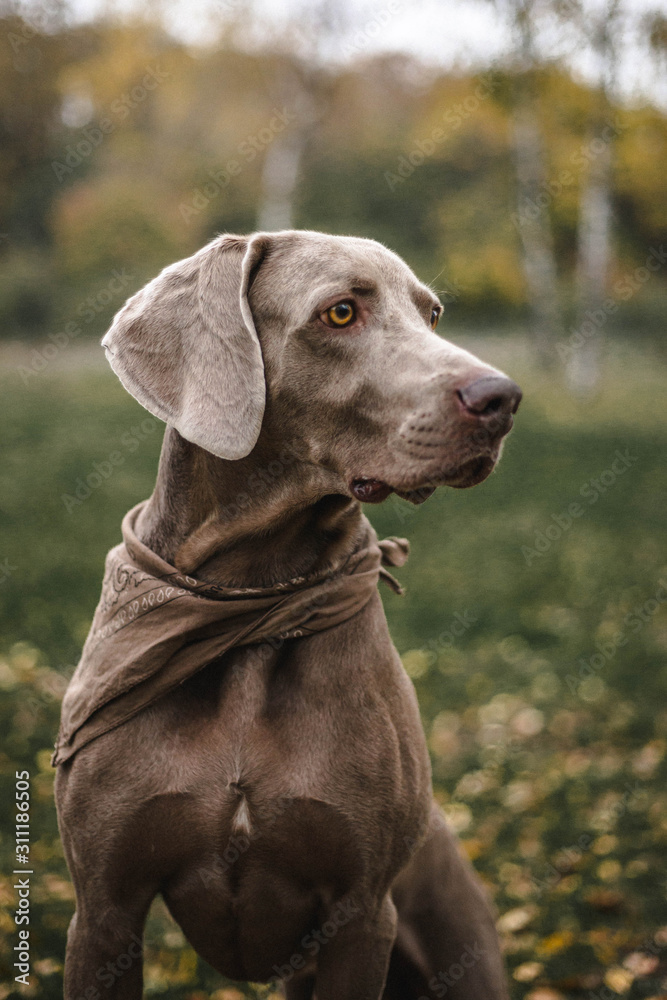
186 348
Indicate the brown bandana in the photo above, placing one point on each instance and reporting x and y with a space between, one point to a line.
154 627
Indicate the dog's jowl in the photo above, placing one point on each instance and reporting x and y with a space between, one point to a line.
240 736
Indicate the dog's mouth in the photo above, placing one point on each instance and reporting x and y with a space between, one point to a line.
471 473
468 474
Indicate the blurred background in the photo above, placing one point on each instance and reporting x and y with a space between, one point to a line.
515 153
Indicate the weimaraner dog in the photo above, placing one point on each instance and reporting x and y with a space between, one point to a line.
281 804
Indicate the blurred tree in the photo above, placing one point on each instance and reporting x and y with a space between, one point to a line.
353 152
654 25
301 91
533 217
303 84
603 30
31 59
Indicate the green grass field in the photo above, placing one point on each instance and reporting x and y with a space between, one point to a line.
534 627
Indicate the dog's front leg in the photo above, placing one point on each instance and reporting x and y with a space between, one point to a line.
105 952
352 963
300 989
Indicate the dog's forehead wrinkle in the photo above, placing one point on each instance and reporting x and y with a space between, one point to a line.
315 263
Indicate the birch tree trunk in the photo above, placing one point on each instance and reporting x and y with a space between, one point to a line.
533 218
534 225
284 157
279 178
595 218
303 90
594 252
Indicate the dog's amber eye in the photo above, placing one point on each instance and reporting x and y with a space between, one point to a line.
342 314
435 316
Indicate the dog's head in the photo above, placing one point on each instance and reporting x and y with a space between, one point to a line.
327 341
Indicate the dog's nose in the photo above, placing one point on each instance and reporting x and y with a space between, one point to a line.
491 396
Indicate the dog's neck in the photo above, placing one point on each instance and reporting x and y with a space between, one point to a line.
257 521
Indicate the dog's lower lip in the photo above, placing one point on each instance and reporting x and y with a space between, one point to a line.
468 473
370 490
376 490
472 472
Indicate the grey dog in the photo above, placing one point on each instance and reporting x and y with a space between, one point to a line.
346 884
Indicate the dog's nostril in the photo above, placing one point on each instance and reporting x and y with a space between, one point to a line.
491 394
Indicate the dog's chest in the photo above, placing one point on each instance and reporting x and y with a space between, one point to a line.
299 723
